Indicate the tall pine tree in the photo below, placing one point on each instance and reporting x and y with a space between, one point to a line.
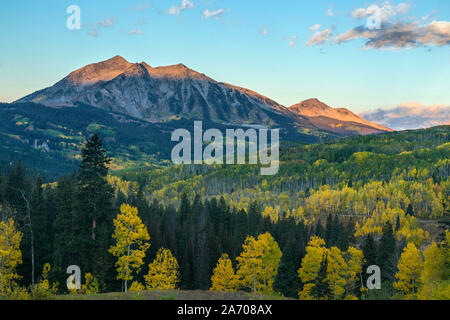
94 213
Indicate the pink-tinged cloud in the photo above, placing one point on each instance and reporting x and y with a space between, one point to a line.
319 37
400 35
410 115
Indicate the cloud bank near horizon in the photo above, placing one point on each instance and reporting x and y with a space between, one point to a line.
410 115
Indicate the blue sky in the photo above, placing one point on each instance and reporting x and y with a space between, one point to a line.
286 50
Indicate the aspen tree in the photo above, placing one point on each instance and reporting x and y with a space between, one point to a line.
258 263
310 266
10 254
224 278
410 267
163 272
131 243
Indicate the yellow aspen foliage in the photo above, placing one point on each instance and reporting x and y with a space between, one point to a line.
409 269
10 254
91 284
354 258
306 293
258 263
435 276
410 231
443 289
224 278
315 251
43 289
271 257
336 272
16 293
136 287
128 188
163 272
433 272
370 226
131 242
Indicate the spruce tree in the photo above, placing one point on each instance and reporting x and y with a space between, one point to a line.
397 223
94 213
64 252
319 230
336 231
369 249
409 210
386 253
322 289
287 281
329 232
42 226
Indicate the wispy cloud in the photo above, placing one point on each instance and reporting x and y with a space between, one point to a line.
429 15
141 7
293 41
108 22
410 115
318 37
136 32
177 9
213 14
105 23
315 27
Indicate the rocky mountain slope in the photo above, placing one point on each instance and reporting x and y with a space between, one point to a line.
161 94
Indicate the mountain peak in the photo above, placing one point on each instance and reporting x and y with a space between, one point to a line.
310 107
312 100
317 111
117 59
100 71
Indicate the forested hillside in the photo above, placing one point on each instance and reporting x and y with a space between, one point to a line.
374 179
309 232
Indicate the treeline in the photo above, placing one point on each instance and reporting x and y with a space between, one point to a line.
408 158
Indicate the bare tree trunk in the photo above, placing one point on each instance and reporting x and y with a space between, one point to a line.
94 225
126 283
28 207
